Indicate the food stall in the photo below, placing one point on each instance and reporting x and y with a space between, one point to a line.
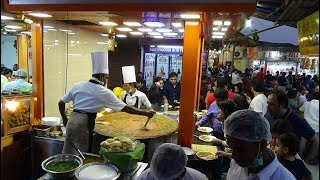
308 37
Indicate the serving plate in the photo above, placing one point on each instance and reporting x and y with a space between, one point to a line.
98 171
206 155
205 129
207 138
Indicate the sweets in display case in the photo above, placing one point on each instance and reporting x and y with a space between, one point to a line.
18 113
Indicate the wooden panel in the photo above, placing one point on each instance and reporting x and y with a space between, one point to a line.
37 67
22 47
191 61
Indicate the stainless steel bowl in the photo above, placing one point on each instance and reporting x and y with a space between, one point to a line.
61 157
113 167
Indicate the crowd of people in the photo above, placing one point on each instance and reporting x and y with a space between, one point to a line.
14 80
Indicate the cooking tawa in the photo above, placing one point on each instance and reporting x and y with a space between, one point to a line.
132 126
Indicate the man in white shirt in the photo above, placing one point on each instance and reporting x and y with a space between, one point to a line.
88 99
259 102
236 79
133 97
248 134
310 111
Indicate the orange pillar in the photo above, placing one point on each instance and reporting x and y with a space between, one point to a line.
37 67
191 73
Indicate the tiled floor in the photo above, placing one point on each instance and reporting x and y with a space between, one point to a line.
314 170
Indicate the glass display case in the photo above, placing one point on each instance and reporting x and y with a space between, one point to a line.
16 113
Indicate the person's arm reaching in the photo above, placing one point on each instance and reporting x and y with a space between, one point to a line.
62 109
133 110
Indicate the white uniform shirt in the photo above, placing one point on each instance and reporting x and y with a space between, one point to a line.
131 99
259 104
311 113
90 97
191 174
274 171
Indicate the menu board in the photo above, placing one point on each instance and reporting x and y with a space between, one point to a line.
162 69
149 66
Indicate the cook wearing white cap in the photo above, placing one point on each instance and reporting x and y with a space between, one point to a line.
248 134
169 162
20 83
132 96
88 99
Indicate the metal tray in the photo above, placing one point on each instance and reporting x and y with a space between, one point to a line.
117 171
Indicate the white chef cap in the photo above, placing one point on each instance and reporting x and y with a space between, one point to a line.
21 73
168 162
247 125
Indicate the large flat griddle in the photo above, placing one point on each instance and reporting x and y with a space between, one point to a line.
130 125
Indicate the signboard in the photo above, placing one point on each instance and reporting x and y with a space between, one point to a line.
165 50
149 66
162 66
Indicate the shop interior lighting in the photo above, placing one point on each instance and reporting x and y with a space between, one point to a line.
248 23
106 35
215 29
11 30
65 30
176 24
51 29
226 23
134 24
163 30
42 15
158 37
71 33
28 21
121 36
190 16
154 33
224 29
26 32
218 33
107 23
48 27
3 17
165 46
219 23
170 34
12 105
102 42
181 30
124 29
136 33
145 29
13 27
217 37
154 24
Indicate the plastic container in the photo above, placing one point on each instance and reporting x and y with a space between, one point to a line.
50 121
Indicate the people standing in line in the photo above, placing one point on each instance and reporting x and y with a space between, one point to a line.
271 84
282 81
261 75
259 102
278 108
5 77
221 83
236 79
140 75
255 72
310 111
156 93
248 134
89 98
171 90
309 83
141 86
294 102
19 83
287 146
302 93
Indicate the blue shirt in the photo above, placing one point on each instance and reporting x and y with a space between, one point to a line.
213 112
296 167
172 93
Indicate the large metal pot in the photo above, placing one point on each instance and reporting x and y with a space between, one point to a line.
61 157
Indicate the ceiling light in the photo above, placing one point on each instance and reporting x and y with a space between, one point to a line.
217 23
217 37
176 24
51 29
136 33
102 42
218 33
226 23
108 23
145 29
5 33
121 35
132 24
6 17
154 24
13 27
215 29
248 23
28 21
190 16
170 34
71 33
65 30
105 35
11 30
43 15
124 29
158 37
162 30
26 32
181 30
154 33
224 29
47 27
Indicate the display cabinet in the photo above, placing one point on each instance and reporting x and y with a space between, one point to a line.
17 113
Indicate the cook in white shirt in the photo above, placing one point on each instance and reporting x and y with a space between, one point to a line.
88 99
248 134
133 97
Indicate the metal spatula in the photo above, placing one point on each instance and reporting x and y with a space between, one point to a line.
145 125
74 146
